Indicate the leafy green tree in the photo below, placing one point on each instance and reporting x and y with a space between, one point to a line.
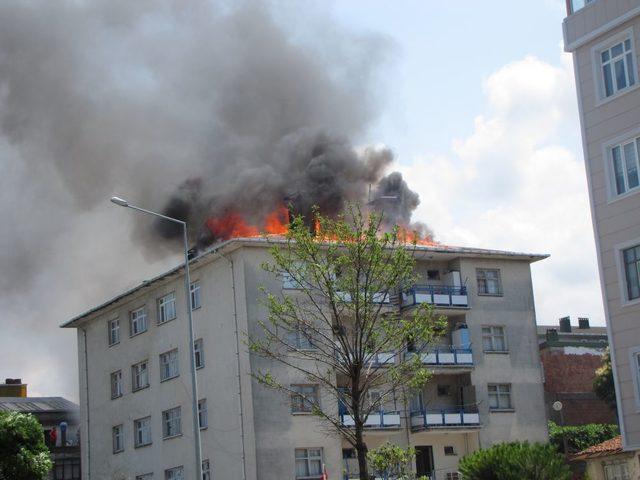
580 437
391 461
515 461
603 385
338 310
23 453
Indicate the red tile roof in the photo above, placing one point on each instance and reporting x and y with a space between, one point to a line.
604 449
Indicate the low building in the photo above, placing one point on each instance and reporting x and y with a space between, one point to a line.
60 420
570 357
608 461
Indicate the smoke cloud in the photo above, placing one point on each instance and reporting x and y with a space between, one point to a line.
184 106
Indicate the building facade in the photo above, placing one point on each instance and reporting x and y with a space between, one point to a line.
603 36
570 356
135 385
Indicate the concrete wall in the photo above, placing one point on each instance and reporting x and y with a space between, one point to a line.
616 219
595 468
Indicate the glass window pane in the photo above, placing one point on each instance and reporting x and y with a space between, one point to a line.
608 80
621 77
301 468
627 44
633 283
605 56
618 170
616 50
630 69
631 164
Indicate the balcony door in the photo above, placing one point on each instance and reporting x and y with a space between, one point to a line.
424 461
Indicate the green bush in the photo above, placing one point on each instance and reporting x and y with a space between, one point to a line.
581 436
515 461
23 453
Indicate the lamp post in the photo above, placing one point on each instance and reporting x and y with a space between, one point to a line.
187 284
557 406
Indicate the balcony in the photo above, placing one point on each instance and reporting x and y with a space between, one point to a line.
376 420
437 295
444 418
446 357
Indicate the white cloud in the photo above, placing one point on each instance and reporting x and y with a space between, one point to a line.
517 183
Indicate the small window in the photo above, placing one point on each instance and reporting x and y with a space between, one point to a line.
118 439
114 331
169 365
500 397
145 476
433 274
303 398
116 384
444 390
623 165
198 352
175 473
137 321
167 308
195 295
453 476
617 67
299 340
631 258
348 453
142 431
449 451
494 339
308 463
140 375
171 423
206 470
203 419
489 282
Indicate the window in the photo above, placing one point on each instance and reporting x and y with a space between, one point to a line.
206 470
195 295
203 419
493 339
631 258
453 476
616 470
579 4
299 340
140 375
433 274
66 469
171 422
449 451
444 390
142 431
617 67
116 384
489 282
198 353
624 166
137 321
114 331
118 439
415 402
500 397
175 473
303 398
169 365
167 308
144 476
308 463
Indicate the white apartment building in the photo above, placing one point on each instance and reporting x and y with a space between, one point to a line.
135 383
603 36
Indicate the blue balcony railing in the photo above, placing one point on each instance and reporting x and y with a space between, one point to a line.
380 419
444 356
439 295
434 418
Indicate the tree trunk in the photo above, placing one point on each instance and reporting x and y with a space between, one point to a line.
361 451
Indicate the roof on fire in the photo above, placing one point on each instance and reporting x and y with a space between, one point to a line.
421 251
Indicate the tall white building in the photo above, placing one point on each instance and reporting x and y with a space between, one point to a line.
135 383
603 36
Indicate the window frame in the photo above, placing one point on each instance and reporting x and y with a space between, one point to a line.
597 66
145 476
135 374
166 420
500 292
203 414
195 293
110 330
173 470
120 436
299 398
136 431
622 276
177 363
120 383
162 303
308 458
206 469
499 395
492 336
198 353
297 340
143 316
634 361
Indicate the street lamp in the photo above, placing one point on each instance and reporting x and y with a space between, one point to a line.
557 406
187 284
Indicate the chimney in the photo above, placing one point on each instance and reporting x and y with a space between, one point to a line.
565 325
13 387
583 323
552 335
